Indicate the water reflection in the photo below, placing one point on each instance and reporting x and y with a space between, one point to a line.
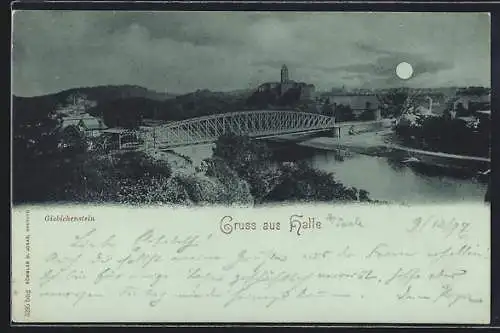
389 180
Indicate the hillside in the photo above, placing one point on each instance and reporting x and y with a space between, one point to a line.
108 92
113 102
97 95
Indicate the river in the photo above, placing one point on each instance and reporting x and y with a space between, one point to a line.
384 179
396 182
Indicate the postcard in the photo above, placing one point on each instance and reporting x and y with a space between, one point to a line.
250 167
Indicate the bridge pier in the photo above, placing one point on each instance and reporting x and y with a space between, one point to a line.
335 132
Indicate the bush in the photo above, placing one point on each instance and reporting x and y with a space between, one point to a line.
233 189
251 160
138 165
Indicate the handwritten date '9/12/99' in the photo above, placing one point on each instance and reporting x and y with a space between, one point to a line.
297 224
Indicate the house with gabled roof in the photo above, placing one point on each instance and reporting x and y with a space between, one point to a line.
89 125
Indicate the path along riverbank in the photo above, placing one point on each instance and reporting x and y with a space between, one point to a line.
381 144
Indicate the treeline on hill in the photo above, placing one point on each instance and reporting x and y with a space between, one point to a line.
126 106
110 95
105 93
130 112
473 91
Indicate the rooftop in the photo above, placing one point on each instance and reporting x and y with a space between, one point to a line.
115 130
488 112
85 120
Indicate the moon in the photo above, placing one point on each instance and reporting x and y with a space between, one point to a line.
404 70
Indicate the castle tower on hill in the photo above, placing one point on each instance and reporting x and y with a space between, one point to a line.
285 84
284 74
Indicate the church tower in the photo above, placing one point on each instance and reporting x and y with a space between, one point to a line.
284 74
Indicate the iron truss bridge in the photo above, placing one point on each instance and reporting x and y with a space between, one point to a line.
257 124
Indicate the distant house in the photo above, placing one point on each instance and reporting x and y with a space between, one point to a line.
359 104
480 115
484 113
89 125
468 105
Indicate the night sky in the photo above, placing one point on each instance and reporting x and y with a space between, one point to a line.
181 52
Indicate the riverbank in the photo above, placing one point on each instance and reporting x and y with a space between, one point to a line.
381 144
382 173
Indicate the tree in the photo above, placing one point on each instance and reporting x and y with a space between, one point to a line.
290 97
344 113
397 101
262 99
252 161
446 135
36 135
73 140
126 116
300 182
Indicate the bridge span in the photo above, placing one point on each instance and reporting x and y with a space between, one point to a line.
256 124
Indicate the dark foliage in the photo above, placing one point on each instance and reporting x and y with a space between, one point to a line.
36 138
130 112
53 165
272 98
126 113
447 135
344 113
271 181
290 98
263 99
473 91
300 182
104 93
251 160
393 102
367 115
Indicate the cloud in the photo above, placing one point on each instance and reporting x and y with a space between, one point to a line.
381 70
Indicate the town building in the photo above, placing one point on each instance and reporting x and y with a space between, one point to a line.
359 104
468 105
